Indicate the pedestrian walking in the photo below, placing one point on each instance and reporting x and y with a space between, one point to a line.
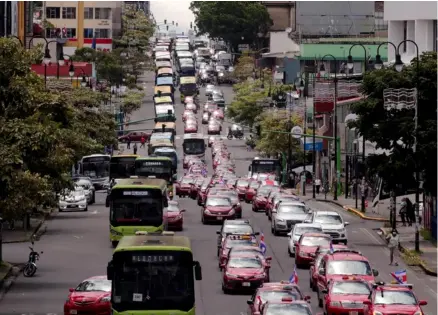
135 148
403 212
143 142
317 185
393 242
128 143
410 212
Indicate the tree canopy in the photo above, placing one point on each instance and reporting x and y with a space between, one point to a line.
235 22
393 130
42 133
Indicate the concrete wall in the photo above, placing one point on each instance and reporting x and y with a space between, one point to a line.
410 10
280 42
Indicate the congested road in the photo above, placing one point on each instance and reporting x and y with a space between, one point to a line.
76 245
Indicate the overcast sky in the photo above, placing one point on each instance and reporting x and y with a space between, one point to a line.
177 11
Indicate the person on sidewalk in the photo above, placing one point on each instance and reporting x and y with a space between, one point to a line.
393 241
143 142
317 185
128 143
135 148
410 211
403 212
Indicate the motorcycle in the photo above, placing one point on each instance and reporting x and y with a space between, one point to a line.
235 134
30 268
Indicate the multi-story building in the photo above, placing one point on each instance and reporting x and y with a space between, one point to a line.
412 20
78 24
8 22
145 6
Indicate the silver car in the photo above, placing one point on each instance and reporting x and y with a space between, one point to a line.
287 215
73 200
88 188
209 89
332 224
298 230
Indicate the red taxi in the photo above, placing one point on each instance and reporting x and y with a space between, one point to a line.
196 186
341 263
261 198
251 191
285 306
91 296
231 241
188 99
246 250
307 245
202 193
241 187
234 200
274 291
195 170
190 127
192 107
184 185
314 266
244 272
345 296
392 299
218 114
272 194
217 209
187 114
174 217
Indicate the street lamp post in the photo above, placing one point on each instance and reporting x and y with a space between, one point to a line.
335 103
399 67
84 80
301 86
350 66
71 69
47 57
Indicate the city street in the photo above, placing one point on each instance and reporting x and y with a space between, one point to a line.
77 246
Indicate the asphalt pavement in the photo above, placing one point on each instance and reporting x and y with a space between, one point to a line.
76 246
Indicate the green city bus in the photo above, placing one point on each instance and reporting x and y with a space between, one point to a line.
158 167
136 204
153 274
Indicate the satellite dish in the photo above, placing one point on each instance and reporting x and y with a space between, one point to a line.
288 30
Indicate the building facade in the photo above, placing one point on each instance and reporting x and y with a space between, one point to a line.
411 20
145 6
81 24
8 16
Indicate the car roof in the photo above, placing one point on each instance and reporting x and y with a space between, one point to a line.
248 255
317 225
339 255
244 247
316 234
319 212
96 278
292 203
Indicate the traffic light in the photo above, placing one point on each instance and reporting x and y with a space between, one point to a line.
165 21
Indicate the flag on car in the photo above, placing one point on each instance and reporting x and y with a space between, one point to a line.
400 276
332 250
93 43
294 277
262 244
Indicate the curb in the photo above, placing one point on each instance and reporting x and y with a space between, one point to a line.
425 268
38 231
8 281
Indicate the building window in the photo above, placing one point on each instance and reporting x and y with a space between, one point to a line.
53 13
51 33
435 35
88 13
69 13
102 33
70 33
102 13
405 35
88 33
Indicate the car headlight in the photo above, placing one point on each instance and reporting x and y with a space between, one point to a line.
82 199
377 313
335 304
115 233
62 202
418 313
230 275
231 212
260 276
279 219
105 299
207 212
221 74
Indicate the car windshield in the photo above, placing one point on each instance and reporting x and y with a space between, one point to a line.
218 202
244 262
254 185
315 241
238 229
242 183
328 219
187 180
302 230
277 295
350 287
395 297
296 209
102 285
349 267
263 191
76 193
248 242
245 251
232 195
286 308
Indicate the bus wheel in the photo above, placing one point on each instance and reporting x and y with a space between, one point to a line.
114 244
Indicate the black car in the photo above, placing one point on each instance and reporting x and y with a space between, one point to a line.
235 227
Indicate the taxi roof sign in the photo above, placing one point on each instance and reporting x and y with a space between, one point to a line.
163 99
188 80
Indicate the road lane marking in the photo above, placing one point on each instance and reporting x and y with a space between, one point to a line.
94 212
78 237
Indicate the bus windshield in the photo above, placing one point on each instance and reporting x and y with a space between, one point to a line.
194 146
160 169
132 210
153 280
96 167
122 167
266 166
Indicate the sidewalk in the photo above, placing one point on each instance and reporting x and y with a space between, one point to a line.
427 259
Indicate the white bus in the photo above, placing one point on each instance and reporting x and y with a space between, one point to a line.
96 166
194 144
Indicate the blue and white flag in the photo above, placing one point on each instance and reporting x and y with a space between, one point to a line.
332 250
262 244
294 277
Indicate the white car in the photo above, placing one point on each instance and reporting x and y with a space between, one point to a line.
205 118
73 200
331 223
287 214
209 89
298 230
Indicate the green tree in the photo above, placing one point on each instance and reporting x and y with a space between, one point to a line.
234 22
245 68
131 101
42 133
393 130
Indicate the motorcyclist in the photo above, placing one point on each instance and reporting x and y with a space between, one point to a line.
236 130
